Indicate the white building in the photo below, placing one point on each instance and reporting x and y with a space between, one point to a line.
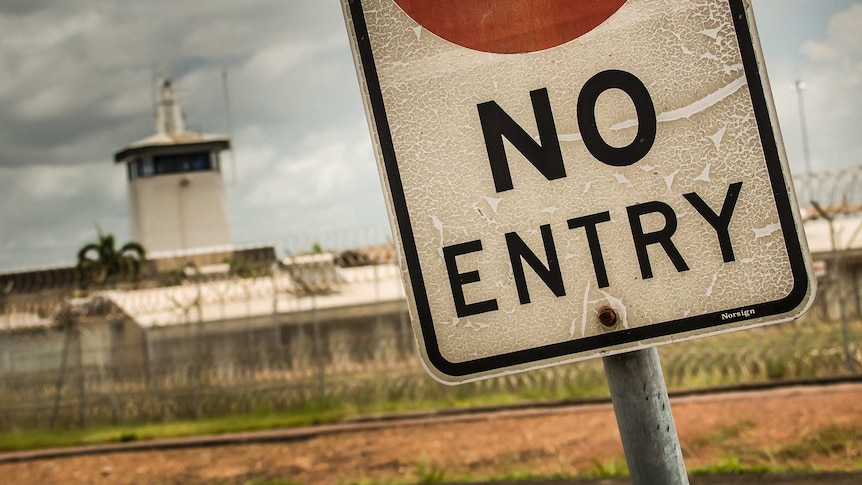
308 308
176 192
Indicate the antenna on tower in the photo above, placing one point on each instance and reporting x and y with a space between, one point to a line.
154 89
157 78
229 126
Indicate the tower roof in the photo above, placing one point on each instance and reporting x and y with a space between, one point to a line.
171 136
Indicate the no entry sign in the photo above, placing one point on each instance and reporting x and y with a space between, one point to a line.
573 179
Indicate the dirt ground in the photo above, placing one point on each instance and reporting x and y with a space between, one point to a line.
757 427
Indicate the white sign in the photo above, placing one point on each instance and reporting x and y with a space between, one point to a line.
569 179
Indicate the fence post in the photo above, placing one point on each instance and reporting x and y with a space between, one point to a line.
406 334
318 348
82 401
195 371
58 388
110 375
192 335
835 279
378 334
275 349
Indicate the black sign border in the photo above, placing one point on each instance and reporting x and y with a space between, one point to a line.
408 244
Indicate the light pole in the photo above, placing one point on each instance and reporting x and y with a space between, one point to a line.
799 87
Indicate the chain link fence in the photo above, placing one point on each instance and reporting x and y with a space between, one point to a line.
265 334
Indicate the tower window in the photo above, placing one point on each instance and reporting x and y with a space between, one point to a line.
191 162
146 167
167 164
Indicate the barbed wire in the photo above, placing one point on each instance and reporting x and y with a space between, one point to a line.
838 192
275 334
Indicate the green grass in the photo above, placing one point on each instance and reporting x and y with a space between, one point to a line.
733 466
312 414
530 475
609 469
272 482
722 434
843 444
422 473
427 473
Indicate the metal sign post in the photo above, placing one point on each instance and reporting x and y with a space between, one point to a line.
644 418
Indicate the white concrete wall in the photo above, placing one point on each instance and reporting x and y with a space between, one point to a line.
41 352
167 216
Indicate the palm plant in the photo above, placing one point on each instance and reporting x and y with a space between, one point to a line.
101 260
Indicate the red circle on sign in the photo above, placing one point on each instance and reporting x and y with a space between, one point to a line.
510 26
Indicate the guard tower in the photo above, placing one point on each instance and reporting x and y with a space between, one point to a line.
176 193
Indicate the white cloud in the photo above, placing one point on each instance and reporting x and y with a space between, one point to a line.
326 181
844 38
328 165
818 51
277 60
844 31
48 212
831 68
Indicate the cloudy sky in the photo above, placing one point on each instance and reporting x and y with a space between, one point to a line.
76 87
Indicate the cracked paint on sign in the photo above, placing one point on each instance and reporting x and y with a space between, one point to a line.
688 58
